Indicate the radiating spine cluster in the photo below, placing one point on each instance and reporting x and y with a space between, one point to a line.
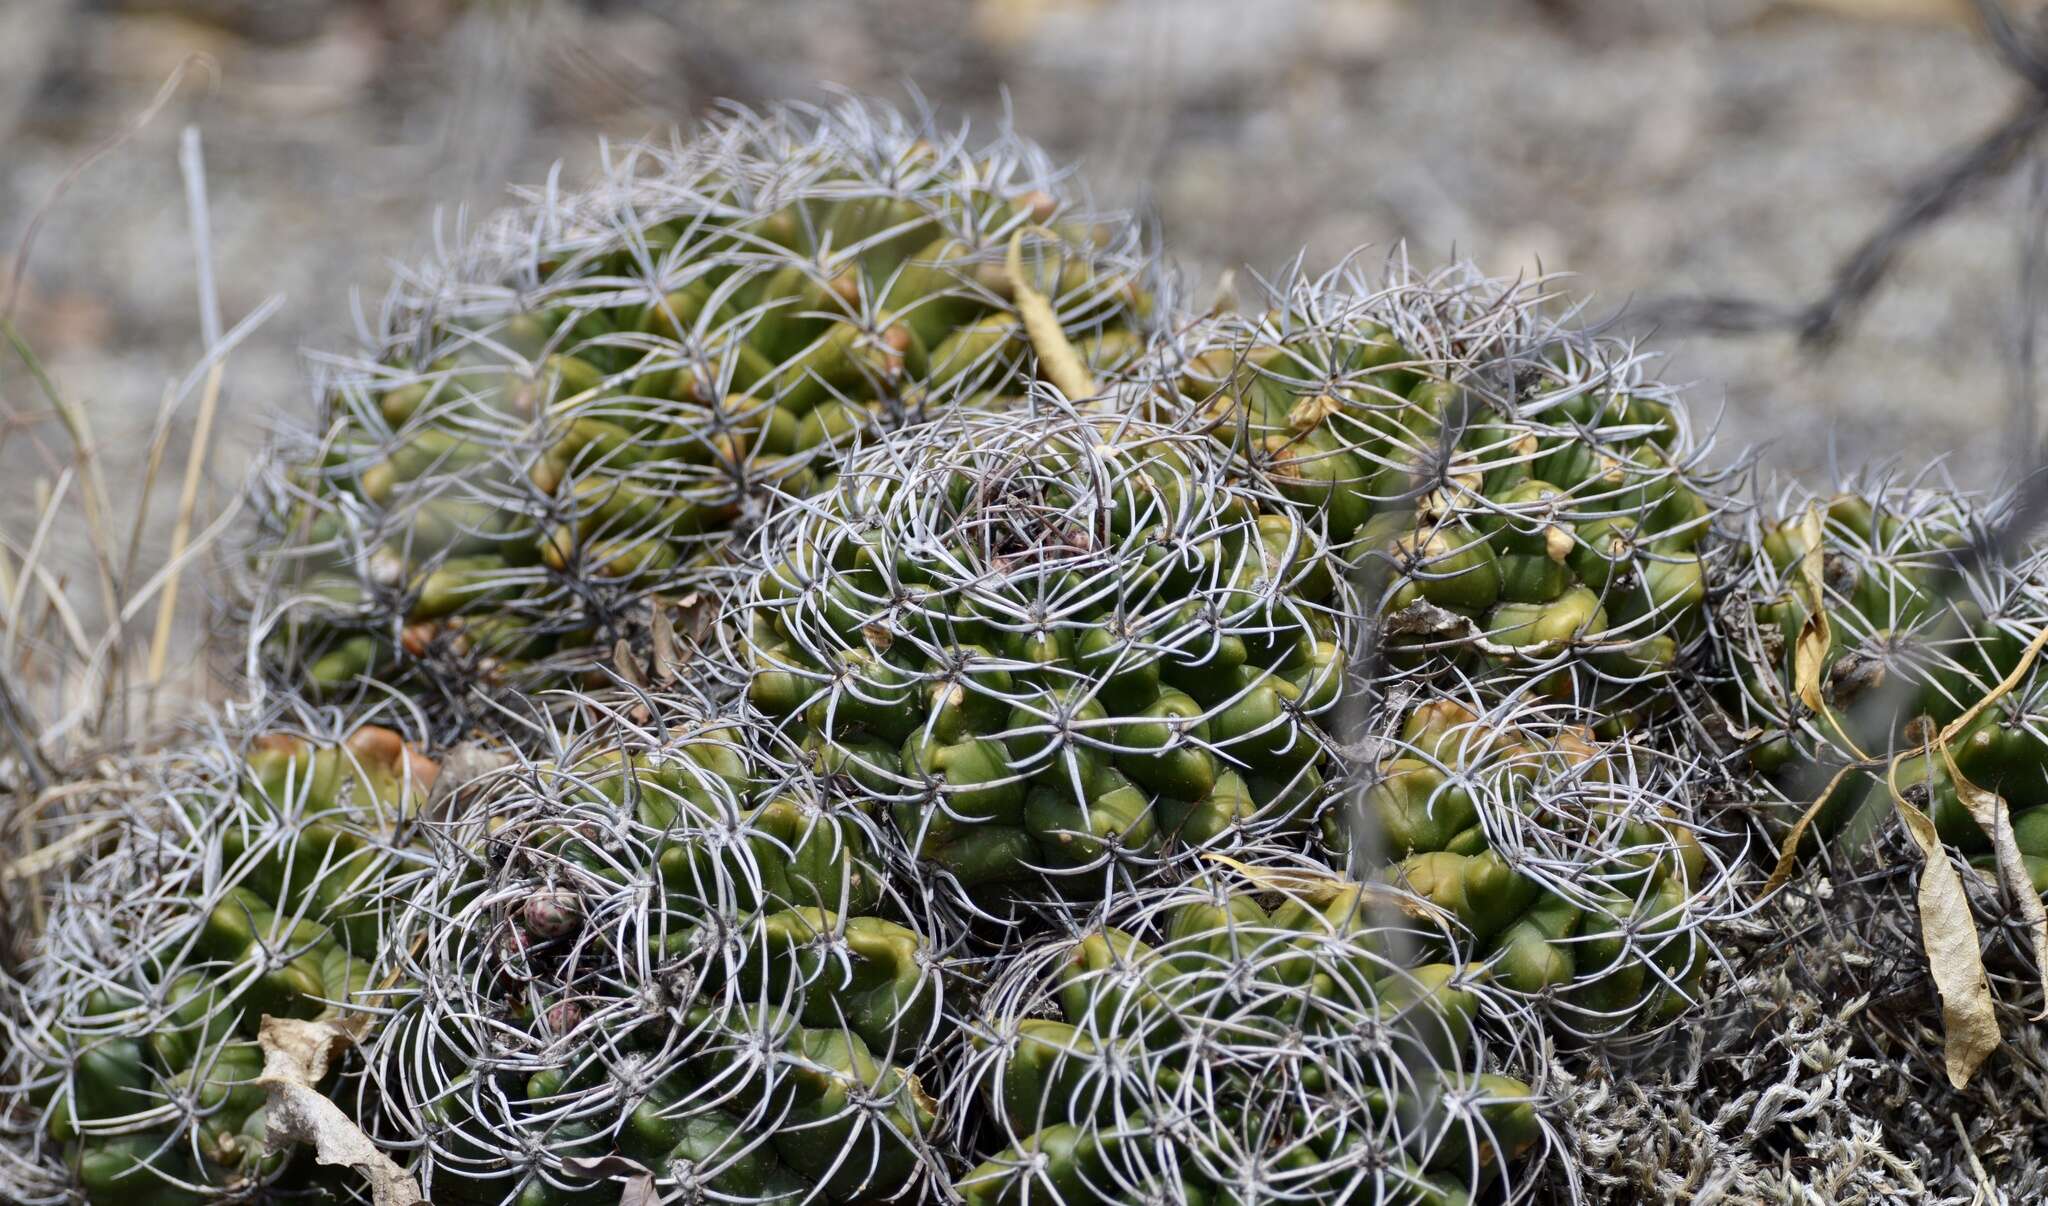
1586 871
1521 498
1239 1039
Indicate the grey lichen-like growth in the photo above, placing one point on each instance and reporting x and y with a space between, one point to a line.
661 953
1814 1075
553 434
1064 648
1260 1034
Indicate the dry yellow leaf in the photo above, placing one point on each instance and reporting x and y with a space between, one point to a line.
1788 851
1991 813
1058 362
1316 887
1948 933
1810 651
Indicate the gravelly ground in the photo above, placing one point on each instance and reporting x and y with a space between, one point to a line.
1714 146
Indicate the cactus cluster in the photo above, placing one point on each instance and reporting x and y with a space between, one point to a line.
913 716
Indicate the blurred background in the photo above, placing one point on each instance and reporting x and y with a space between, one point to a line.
1654 148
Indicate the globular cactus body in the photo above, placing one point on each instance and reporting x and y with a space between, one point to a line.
1524 503
566 426
1585 870
1238 1040
1061 650
1868 631
253 886
664 951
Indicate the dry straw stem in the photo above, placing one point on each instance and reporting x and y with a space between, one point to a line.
86 451
193 165
53 855
1058 360
74 418
181 535
71 690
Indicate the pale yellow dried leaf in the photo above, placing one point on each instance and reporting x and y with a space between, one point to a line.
1058 362
1322 887
1316 887
1810 650
1994 817
1788 850
1948 933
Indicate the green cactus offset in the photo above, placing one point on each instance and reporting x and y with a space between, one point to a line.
1248 1037
1583 870
1062 651
1868 630
252 885
654 955
1523 501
